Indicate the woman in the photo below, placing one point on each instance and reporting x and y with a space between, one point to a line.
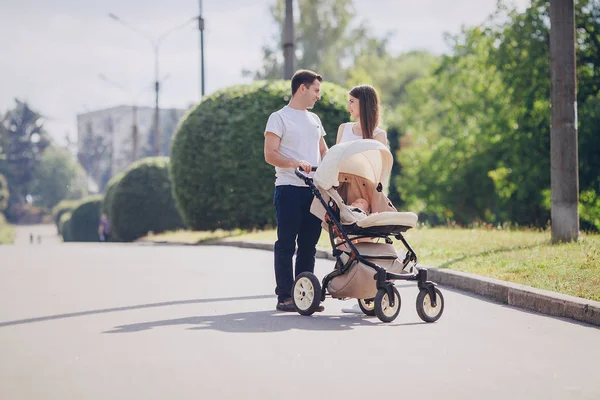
363 105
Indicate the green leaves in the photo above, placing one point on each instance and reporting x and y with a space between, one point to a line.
55 177
477 129
23 141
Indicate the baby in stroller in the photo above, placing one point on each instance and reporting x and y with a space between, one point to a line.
361 205
349 188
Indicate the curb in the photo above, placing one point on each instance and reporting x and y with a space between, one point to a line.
512 294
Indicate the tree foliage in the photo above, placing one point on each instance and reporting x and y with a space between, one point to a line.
326 41
55 178
23 141
478 127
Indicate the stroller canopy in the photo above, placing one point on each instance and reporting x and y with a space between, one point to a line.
366 158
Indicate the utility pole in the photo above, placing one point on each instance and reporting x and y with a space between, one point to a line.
134 135
111 131
288 40
564 179
157 131
201 28
155 42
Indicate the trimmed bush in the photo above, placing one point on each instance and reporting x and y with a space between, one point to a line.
110 191
3 193
64 226
63 207
220 177
107 202
142 201
83 224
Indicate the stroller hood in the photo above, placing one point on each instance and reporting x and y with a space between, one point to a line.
366 158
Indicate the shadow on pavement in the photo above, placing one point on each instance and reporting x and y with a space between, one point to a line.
261 321
127 308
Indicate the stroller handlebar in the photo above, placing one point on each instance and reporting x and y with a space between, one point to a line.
300 173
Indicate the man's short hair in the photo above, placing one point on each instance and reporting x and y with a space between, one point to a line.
304 77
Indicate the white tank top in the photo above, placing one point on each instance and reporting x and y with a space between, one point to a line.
348 135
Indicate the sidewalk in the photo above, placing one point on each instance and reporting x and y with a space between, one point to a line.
521 296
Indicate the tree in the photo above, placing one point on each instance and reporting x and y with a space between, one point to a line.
477 142
325 41
522 58
55 178
23 140
452 169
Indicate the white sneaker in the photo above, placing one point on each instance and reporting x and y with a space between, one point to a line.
353 310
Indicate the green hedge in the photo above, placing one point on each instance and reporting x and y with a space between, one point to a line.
64 226
109 192
63 207
3 193
107 202
83 225
219 173
142 201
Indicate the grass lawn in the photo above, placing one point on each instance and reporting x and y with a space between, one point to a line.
520 256
7 233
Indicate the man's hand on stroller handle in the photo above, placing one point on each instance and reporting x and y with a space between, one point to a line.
303 170
305 166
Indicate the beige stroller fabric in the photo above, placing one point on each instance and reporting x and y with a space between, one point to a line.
354 170
358 282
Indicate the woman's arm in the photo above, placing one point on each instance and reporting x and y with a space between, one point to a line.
382 137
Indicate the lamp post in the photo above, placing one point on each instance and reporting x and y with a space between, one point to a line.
155 42
201 28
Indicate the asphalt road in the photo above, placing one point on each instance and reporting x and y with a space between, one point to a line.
126 321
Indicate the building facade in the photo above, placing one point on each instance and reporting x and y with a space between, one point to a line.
109 140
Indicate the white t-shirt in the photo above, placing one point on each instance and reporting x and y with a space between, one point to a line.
348 135
300 132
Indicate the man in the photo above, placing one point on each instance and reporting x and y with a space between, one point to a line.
294 137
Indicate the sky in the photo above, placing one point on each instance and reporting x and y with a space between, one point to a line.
55 52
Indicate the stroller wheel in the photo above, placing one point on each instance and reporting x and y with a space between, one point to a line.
367 306
306 293
384 311
426 311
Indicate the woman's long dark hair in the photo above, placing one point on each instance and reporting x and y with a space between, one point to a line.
369 109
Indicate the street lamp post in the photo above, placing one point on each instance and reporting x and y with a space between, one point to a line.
155 46
201 28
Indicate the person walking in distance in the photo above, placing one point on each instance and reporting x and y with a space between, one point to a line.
294 138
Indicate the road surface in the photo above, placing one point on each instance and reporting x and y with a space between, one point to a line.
126 321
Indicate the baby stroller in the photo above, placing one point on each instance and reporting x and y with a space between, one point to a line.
366 261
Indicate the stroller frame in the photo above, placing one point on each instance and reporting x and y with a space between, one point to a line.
382 276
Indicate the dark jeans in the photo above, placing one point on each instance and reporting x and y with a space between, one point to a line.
294 222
